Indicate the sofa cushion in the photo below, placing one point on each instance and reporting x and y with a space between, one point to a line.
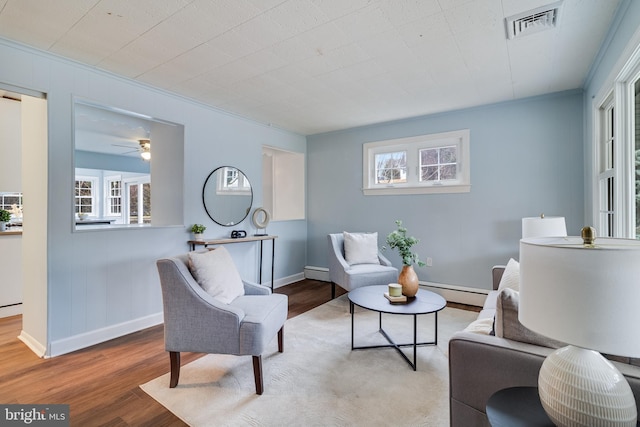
511 276
508 326
216 273
361 248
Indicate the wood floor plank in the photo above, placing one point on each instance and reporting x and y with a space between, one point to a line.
101 383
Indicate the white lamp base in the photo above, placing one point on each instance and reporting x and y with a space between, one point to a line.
579 387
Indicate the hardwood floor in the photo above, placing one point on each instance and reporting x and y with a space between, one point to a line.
101 383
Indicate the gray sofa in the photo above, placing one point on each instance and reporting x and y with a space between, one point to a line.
480 365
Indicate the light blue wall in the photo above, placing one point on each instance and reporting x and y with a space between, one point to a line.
624 29
107 280
102 161
526 158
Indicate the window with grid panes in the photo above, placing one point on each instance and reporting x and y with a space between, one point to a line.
436 163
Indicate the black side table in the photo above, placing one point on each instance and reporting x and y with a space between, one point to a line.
517 407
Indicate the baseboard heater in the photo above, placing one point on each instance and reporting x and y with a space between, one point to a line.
452 293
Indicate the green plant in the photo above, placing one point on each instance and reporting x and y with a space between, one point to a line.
399 240
198 228
5 216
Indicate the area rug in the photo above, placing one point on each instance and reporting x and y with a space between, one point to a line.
319 380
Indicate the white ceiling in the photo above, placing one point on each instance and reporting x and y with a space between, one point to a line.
108 131
313 66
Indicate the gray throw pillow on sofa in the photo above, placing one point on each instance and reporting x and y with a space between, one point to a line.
508 326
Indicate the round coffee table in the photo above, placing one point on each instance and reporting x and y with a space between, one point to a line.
372 298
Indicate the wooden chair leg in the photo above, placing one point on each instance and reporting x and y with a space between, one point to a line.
281 339
257 373
174 356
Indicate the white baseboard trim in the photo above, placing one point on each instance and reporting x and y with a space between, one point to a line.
10 310
33 344
87 339
284 281
452 293
80 341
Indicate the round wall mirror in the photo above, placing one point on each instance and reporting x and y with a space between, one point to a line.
227 196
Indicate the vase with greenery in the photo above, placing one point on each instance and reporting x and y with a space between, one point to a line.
399 240
197 230
5 217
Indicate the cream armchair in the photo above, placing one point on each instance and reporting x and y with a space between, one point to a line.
194 321
350 277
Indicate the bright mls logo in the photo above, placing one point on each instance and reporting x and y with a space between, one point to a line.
34 415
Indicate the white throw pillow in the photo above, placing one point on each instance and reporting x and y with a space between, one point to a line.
216 273
361 248
511 276
481 326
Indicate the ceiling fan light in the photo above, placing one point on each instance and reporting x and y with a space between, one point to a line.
145 147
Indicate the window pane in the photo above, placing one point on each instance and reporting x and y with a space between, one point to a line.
391 168
146 208
429 173
448 155
133 204
115 197
429 156
448 172
438 164
84 197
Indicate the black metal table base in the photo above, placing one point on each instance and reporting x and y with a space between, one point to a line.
392 344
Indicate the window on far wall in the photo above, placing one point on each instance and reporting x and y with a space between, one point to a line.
436 163
85 195
10 201
616 201
114 196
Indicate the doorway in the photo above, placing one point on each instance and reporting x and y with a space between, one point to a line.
28 155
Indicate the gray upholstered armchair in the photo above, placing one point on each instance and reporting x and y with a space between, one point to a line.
194 321
350 277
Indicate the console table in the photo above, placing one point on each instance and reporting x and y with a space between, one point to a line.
261 239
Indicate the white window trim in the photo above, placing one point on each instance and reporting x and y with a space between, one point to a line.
95 190
126 206
107 195
460 138
223 189
618 83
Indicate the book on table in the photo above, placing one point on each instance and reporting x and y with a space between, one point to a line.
401 298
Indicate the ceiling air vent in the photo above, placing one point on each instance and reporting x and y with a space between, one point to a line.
533 21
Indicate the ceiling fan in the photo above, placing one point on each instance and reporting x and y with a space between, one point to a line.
144 148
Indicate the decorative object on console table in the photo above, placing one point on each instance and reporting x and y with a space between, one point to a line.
260 219
238 234
582 292
544 226
408 278
197 230
5 217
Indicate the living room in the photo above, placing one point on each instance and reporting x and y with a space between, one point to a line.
528 155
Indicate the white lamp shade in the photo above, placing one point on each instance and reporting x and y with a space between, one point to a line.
547 226
584 296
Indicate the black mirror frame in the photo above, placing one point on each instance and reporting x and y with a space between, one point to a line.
204 203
